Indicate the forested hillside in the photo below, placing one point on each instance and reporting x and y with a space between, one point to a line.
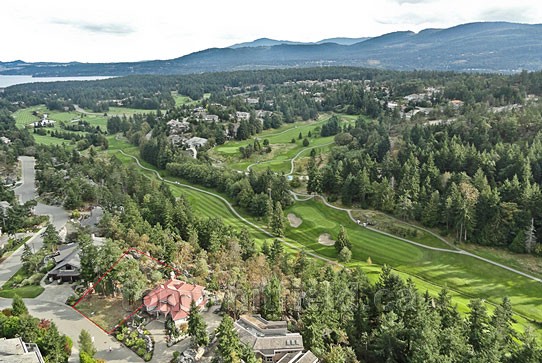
460 154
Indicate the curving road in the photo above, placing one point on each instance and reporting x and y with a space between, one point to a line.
50 304
292 160
231 208
455 249
349 211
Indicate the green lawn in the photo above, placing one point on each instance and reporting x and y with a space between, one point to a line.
468 277
180 99
465 276
26 292
31 291
283 150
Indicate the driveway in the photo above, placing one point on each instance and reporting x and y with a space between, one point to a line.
163 353
50 304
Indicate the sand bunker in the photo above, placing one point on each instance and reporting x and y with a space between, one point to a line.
325 239
294 220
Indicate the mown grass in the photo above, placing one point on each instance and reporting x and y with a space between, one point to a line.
24 117
9 290
180 99
280 140
467 276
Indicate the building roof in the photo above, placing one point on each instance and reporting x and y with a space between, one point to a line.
96 215
299 357
196 142
174 298
16 351
68 255
267 337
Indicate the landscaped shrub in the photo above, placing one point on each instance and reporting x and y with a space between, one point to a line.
147 357
120 337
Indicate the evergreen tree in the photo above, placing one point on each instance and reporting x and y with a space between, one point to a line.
51 237
345 255
30 260
228 341
501 321
342 240
478 327
247 244
197 328
276 251
277 222
530 238
528 350
18 307
272 304
85 343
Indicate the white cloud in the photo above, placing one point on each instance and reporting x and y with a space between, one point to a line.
105 30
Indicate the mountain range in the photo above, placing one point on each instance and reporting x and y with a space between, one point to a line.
266 42
475 47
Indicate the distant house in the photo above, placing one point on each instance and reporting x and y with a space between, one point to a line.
271 341
173 299
15 350
178 127
210 118
44 123
68 264
195 142
456 103
240 116
252 101
4 140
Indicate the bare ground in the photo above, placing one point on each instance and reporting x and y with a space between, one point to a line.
325 239
294 220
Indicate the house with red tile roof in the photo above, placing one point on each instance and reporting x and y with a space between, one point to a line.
173 298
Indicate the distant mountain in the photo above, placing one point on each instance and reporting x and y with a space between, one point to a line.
342 41
480 47
262 42
266 42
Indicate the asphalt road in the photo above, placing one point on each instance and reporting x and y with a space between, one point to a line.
50 304
25 192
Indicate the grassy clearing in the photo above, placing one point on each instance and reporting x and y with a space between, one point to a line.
396 227
280 140
10 289
106 312
180 99
469 277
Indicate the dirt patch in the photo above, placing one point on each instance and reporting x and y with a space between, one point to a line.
325 239
294 220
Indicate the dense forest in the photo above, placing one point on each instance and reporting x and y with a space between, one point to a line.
460 153
341 315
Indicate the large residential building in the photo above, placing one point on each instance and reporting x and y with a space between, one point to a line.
68 264
16 351
173 298
271 341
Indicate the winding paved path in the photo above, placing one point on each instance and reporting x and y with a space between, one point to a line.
231 208
50 304
292 160
456 250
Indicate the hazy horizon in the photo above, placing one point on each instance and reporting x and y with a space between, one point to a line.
110 32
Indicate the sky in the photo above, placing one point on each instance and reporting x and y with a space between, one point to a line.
115 31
